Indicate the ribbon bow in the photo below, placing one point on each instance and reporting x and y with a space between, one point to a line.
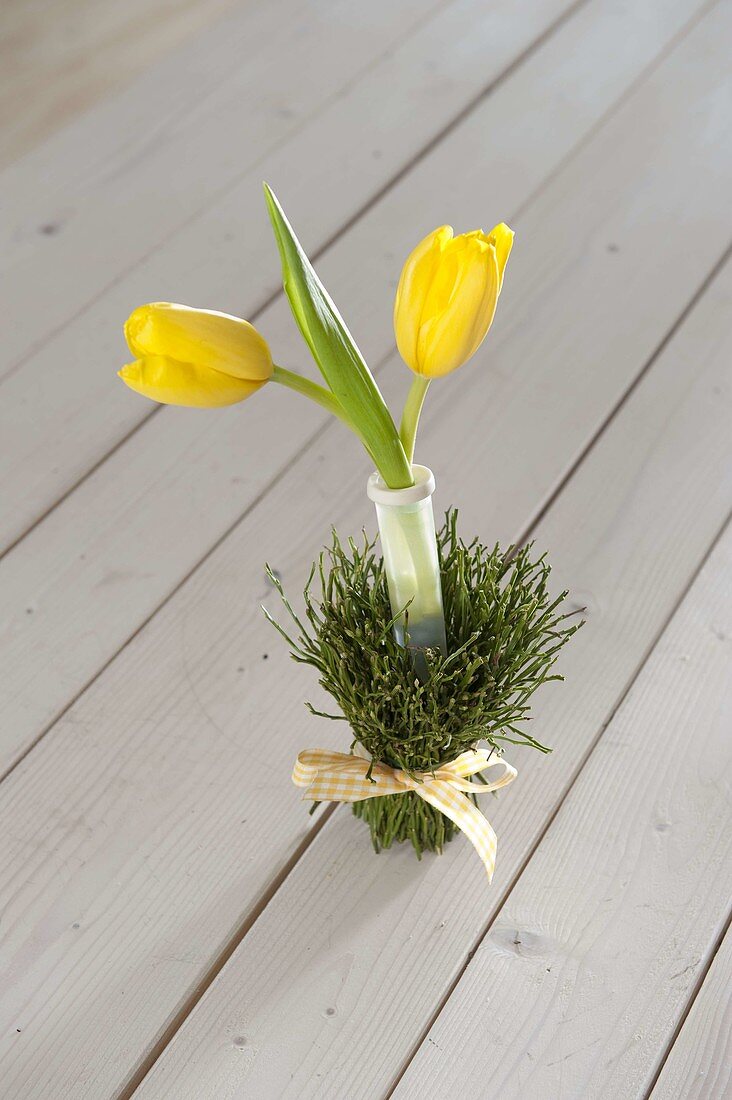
341 777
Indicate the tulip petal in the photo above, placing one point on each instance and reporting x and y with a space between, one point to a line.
454 335
502 238
447 297
172 382
486 312
209 339
413 291
446 275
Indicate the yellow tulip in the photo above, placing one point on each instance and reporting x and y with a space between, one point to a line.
194 357
447 297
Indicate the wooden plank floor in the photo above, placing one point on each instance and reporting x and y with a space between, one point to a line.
162 932
60 57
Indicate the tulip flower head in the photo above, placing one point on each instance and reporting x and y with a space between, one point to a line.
194 357
447 296
444 307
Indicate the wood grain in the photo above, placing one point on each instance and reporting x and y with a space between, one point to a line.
148 515
699 1066
587 970
66 399
142 830
111 189
354 953
141 835
347 74
58 58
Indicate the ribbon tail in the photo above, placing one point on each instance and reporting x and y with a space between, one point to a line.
466 815
469 763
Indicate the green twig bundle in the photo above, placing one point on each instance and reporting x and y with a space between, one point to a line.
504 633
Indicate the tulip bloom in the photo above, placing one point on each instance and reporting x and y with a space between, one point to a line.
447 297
194 357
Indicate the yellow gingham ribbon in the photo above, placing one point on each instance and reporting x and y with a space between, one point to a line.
341 777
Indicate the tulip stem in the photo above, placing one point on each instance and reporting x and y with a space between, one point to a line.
319 394
410 416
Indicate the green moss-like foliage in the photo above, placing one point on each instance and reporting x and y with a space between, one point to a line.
504 633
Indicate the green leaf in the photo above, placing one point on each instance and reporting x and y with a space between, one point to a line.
337 355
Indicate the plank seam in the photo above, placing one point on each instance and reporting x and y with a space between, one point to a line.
379 365
542 509
615 107
216 968
270 299
693 994
259 904
254 503
555 812
235 939
216 196
627 395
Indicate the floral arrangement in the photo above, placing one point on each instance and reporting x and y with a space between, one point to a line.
432 649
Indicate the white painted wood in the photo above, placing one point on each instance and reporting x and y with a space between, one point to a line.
699 1065
587 970
142 818
108 190
334 986
58 58
66 399
83 581
146 816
